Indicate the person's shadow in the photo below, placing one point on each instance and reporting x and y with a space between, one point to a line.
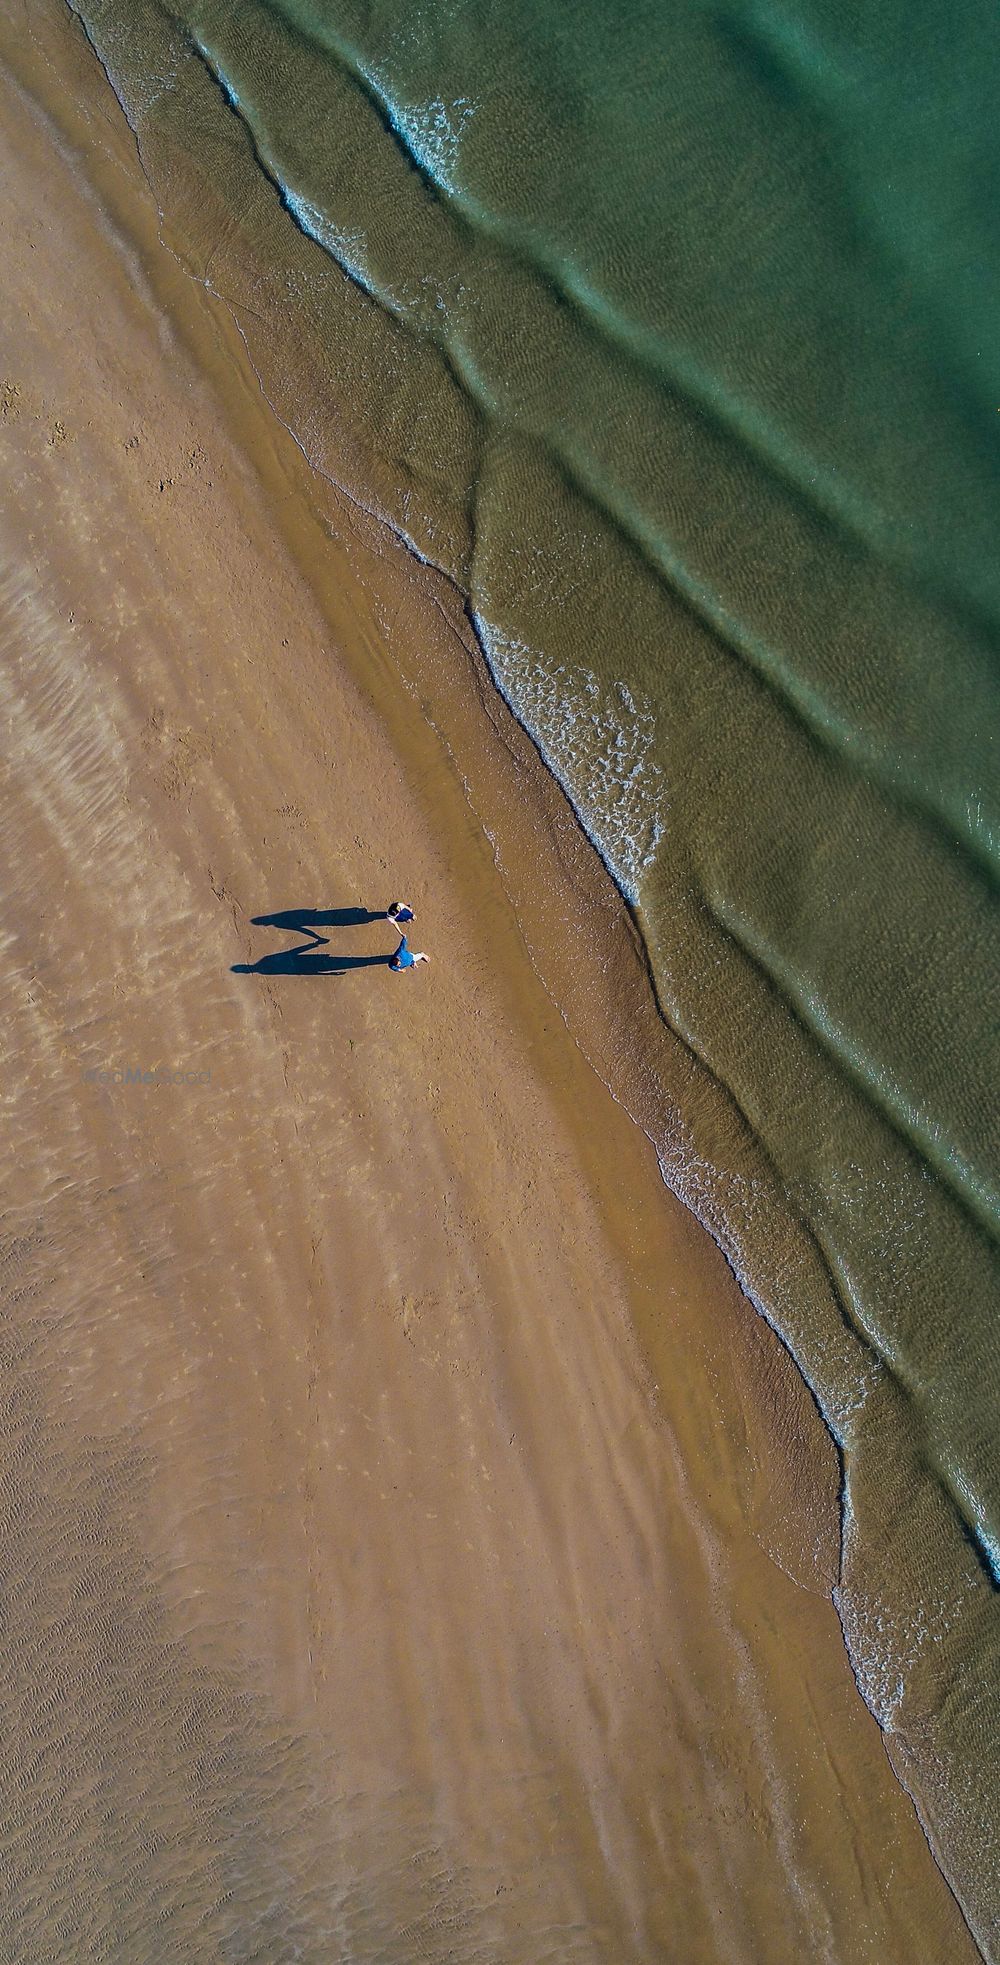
304 920
306 959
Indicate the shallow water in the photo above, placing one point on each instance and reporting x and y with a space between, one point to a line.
672 339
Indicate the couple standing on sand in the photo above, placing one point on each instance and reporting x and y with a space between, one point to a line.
405 957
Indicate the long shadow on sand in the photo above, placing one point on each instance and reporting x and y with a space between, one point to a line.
306 960
303 920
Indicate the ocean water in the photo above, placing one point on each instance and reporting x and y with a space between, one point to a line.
672 334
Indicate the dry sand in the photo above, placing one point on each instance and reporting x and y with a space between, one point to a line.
402 1507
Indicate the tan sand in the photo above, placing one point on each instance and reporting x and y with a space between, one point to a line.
401 1503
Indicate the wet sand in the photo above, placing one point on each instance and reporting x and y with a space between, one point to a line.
417 1547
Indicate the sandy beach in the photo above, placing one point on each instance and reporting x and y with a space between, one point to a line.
417 1545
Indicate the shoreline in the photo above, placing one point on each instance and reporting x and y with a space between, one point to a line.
494 928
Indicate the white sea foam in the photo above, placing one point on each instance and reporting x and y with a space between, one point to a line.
138 84
416 299
597 738
977 1514
888 1643
347 248
431 131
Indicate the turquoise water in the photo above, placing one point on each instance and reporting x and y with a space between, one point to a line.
674 337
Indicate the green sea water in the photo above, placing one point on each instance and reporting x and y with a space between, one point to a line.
672 334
